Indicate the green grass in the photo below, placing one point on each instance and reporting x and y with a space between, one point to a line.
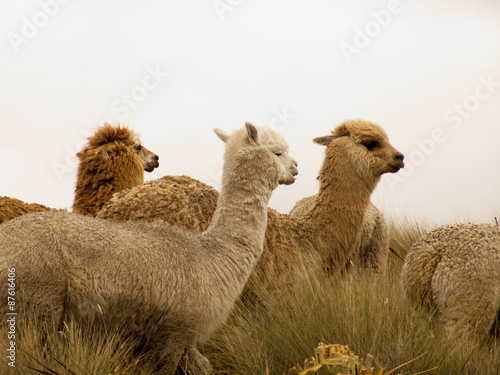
366 312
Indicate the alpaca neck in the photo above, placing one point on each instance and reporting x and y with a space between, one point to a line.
99 178
340 208
240 219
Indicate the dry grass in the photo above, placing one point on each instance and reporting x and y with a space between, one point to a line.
71 351
367 313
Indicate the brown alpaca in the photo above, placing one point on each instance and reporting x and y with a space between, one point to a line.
12 207
323 242
112 160
374 246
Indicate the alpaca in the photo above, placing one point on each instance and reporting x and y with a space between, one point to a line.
455 271
112 160
374 246
324 241
12 207
170 288
177 200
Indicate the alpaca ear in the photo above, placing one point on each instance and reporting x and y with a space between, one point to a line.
253 134
326 140
222 134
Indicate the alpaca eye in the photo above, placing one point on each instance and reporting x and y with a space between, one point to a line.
278 154
137 147
371 145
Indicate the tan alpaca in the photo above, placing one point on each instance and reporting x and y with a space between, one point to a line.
112 160
455 270
374 246
167 287
325 241
12 207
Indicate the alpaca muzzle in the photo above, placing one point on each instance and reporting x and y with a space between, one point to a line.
398 162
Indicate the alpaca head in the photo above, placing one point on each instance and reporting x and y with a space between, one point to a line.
110 139
369 152
112 160
270 143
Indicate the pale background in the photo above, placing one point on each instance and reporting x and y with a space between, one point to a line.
427 71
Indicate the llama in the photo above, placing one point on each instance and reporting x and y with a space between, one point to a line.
323 242
374 246
112 160
12 207
170 288
455 271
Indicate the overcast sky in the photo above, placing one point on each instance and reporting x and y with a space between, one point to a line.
427 71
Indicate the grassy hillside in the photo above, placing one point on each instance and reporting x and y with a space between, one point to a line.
366 312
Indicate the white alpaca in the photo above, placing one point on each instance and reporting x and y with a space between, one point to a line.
168 287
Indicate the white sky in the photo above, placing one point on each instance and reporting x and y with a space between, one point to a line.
422 70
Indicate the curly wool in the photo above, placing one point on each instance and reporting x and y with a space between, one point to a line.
12 207
455 270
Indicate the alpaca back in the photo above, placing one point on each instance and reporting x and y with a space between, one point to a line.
177 200
12 207
108 164
100 261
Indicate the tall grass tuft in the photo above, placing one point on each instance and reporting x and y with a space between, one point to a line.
71 351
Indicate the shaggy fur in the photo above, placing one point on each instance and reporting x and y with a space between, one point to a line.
455 269
374 246
112 160
169 288
192 201
325 241
12 207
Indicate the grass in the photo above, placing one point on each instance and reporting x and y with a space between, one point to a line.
366 312
71 351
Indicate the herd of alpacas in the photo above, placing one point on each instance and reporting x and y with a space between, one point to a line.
165 261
